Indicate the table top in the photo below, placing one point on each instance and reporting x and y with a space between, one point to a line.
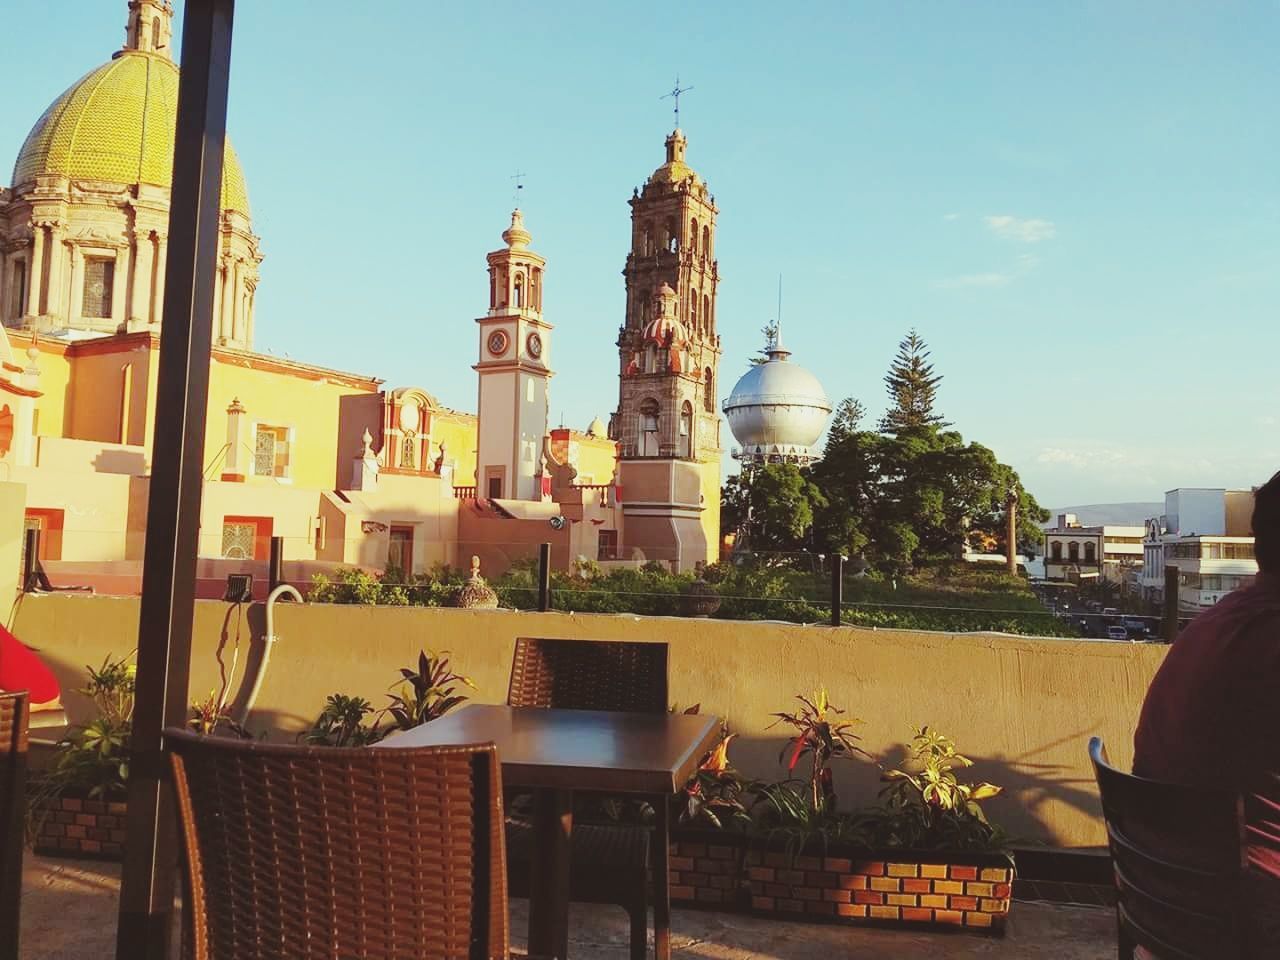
578 749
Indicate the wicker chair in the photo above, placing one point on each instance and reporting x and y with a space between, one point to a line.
302 853
13 774
1179 860
608 864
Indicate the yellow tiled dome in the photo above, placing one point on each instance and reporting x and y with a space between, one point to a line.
116 123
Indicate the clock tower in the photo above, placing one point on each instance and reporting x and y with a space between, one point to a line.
514 372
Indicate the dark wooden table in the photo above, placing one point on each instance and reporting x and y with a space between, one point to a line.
555 752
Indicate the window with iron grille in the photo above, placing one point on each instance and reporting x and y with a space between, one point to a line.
271 451
99 276
238 539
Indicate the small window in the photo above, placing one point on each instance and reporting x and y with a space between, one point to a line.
19 288
246 538
1090 553
495 488
518 293
99 277
608 545
155 34
408 454
693 235
1055 549
271 451
1073 551
706 241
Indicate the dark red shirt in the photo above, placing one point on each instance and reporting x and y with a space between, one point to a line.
1212 714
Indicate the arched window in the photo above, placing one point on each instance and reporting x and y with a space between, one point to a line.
693 235
648 428
693 311
493 291
673 236
408 459
1090 553
1055 549
706 311
1073 551
686 430
155 34
706 241
517 292
650 359
709 391
535 289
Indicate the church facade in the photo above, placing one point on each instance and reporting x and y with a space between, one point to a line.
348 471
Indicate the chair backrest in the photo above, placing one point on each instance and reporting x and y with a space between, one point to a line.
13 774
1179 859
589 675
296 852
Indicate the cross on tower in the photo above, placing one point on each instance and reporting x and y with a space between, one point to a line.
675 95
515 194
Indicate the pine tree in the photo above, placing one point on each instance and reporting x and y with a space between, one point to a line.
912 386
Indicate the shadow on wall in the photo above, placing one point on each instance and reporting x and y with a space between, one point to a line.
130 462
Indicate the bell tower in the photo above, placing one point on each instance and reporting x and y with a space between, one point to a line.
667 422
514 372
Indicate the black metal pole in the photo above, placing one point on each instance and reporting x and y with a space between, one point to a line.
544 577
274 576
30 557
837 587
173 509
1170 625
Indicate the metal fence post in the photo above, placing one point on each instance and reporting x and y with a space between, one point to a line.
1170 625
837 587
274 565
30 557
544 577
173 509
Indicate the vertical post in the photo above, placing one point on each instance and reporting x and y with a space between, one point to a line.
544 577
173 513
1170 623
837 587
1011 533
30 557
274 577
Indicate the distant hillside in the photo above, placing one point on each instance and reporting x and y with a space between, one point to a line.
1093 514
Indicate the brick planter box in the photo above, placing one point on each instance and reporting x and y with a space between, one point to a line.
72 826
938 890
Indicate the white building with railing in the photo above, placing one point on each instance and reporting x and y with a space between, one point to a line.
1206 534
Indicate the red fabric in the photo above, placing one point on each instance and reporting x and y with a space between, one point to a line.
20 669
1212 713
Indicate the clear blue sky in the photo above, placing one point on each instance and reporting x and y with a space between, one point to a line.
1078 206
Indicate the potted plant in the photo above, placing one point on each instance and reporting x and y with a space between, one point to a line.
77 806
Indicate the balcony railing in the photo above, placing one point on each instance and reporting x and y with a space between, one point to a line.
464 493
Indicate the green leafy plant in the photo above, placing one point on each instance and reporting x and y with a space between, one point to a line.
714 796
822 734
428 692
211 716
926 806
343 723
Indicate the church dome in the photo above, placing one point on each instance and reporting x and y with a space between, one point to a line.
116 124
777 410
597 429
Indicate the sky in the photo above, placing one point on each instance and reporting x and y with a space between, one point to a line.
1077 206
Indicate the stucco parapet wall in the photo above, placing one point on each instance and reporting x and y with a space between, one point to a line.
1023 708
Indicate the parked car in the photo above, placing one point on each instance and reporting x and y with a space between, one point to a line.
1136 628
1110 612
1117 633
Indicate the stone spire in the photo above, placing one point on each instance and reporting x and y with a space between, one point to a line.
150 28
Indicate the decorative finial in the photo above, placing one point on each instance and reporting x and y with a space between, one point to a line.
516 236
476 593
366 444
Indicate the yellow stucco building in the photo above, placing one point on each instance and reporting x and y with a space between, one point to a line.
344 469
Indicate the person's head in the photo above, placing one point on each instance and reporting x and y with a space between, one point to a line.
1266 525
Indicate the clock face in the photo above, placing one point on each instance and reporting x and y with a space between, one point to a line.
498 343
534 345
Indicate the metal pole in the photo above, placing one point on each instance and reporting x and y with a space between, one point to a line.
274 577
30 557
173 510
1170 624
544 577
837 587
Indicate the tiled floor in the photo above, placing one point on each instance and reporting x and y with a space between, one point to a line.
69 913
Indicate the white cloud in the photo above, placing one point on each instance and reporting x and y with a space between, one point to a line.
1081 459
976 280
1021 230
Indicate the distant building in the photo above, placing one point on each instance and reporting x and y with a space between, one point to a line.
1110 552
1207 535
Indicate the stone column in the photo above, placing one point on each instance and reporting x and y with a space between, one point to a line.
236 465
34 269
248 314
119 283
228 278
140 307
238 300
57 253
76 306
162 260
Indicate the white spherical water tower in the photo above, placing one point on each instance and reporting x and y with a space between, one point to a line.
777 410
